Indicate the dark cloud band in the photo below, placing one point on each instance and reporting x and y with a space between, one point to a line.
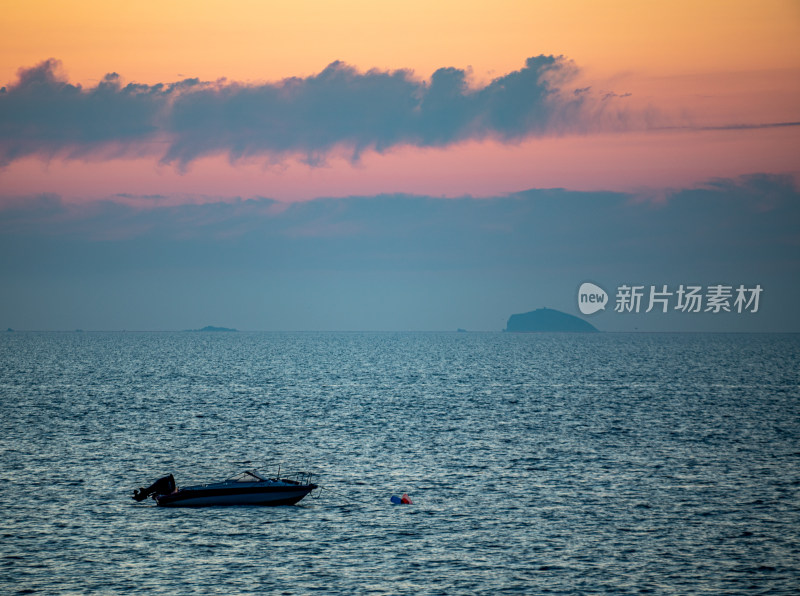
43 114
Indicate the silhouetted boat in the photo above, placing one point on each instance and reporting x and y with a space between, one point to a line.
246 488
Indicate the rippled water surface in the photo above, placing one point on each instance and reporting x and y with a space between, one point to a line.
564 464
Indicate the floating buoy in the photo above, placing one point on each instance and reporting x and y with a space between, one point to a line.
396 500
406 500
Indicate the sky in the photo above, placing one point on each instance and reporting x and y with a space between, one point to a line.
398 166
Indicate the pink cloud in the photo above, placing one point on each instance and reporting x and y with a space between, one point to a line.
634 161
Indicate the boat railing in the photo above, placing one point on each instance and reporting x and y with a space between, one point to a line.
298 477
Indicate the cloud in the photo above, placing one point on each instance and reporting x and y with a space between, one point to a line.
43 114
742 126
745 214
340 108
390 259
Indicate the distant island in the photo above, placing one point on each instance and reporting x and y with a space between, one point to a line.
547 319
212 328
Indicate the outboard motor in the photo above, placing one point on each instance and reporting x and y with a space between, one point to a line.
162 486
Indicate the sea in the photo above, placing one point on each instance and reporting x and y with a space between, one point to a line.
537 463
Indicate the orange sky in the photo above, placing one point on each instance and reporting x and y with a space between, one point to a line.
149 41
710 63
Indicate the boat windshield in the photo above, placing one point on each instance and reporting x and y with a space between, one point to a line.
247 476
